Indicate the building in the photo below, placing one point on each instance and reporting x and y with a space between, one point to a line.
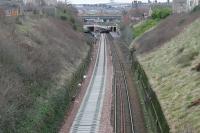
39 5
140 13
51 2
40 2
180 6
9 9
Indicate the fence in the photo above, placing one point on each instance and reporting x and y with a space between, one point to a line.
155 116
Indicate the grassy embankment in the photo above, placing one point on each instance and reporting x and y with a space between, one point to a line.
172 70
137 32
42 59
157 15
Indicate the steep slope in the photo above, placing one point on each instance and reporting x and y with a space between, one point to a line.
163 32
37 60
173 72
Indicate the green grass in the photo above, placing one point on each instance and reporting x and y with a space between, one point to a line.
157 15
161 13
176 85
141 28
25 28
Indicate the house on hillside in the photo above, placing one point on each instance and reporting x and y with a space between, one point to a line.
139 14
40 5
180 6
40 2
34 2
9 9
51 2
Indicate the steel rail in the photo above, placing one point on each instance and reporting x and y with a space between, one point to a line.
128 98
88 116
117 60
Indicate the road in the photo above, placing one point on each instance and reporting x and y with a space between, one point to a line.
88 117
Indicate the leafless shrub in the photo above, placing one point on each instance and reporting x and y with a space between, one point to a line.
31 63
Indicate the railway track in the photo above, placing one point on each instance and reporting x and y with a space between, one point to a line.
88 117
123 118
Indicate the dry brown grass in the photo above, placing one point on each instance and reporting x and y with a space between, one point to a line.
170 72
167 29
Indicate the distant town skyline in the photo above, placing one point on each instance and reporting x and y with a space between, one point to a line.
97 1
104 1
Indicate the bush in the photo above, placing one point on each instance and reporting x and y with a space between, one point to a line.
69 15
72 20
74 27
63 17
158 14
197 8
32 61
161 13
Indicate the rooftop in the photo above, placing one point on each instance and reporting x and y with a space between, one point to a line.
8 5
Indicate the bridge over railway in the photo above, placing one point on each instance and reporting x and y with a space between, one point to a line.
96 28
102 18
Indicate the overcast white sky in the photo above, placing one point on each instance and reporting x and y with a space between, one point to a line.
103 1
96 1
